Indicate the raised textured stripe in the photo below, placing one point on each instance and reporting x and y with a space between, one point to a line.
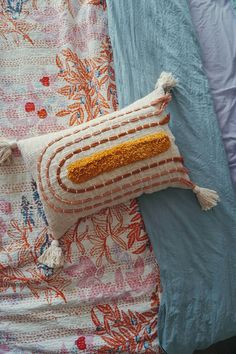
118 156
163 103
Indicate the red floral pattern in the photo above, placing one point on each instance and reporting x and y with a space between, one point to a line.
105 298
81 344
18 272
29 107
45 81
127 331
90 83
108 230
42 113
12 22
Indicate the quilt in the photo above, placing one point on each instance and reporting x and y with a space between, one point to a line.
233 3
56 71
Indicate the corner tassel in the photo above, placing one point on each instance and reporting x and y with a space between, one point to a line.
6 147
207 198
166 81
53 256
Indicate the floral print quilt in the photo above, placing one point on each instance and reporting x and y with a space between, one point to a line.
56 70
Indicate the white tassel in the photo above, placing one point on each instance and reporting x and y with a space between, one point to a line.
166 82
6 147
207 198
53 256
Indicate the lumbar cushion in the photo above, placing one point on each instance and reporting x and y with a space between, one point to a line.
107 161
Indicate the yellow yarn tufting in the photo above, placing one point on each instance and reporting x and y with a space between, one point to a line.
118 156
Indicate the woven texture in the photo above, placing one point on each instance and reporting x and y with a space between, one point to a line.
56 70
64 200
234 3
195 250
215 21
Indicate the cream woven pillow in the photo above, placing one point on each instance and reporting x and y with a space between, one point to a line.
107 161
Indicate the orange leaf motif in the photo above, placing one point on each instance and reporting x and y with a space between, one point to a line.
135 332
89 82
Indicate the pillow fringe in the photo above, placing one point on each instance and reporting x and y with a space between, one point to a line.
6 147
166 81
53 256
207 198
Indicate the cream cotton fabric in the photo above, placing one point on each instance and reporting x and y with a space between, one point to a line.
45 153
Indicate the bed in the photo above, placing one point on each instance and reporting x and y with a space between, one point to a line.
57 70
214 31
193 250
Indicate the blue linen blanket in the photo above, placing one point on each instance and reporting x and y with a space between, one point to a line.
234 3
196 251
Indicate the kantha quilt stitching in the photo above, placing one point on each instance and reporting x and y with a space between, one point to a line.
57 71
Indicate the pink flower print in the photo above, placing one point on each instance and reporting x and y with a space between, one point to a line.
64 350
137 279
3 227
5 207
4 349
119 278
86 272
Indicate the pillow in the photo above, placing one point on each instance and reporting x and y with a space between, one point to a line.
107 161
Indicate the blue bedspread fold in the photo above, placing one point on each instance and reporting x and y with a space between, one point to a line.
196 251
234 3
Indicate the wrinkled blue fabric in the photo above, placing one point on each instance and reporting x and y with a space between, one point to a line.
234 3
196 250
215 23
